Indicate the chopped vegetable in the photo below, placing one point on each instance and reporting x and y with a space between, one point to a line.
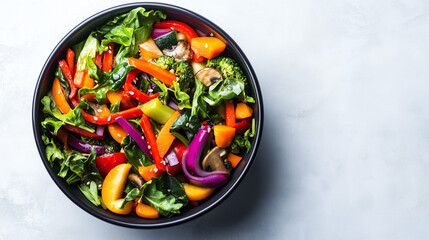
229 113
243 111
151 139
152 69
59 97
196 193
157 111
146 211
233 159
208 47
165 138
223 135
149 50
107 162
113 187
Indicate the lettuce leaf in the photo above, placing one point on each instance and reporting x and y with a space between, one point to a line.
89 50
130 29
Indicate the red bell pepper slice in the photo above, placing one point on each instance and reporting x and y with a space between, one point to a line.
67 73
127 101
131 90
241 127
183 28
98 60
107 162
151 140
82 132
178 148
70 60
229 113
111 118
108 57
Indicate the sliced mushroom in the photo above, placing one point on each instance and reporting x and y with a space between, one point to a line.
182 52
135 180
208 76
213 160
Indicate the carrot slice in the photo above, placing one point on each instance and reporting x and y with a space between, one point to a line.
208 47
165 138
59 97
233 159
243 111
152 69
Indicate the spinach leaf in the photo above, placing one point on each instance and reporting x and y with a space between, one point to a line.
199 90
90 192
131 196
52 124
73 117
53 152
165 194
91 172
134 154
224 90
241 142
186 122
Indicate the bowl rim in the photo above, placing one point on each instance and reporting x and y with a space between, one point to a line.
199 18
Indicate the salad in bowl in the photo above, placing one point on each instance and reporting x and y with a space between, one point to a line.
147 116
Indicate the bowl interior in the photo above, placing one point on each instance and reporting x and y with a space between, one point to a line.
79 33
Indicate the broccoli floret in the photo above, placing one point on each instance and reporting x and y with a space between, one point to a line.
182 70
165 62
228 67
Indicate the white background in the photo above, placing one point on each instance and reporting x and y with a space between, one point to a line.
345 149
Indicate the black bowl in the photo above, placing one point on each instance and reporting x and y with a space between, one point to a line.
79 33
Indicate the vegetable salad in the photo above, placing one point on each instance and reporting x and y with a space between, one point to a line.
146 116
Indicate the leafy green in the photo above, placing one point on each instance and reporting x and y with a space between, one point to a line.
130 29
132 195
74 117
183 97
52 124
90 192
186 122
241 142
199 90
224 90
134 154
165 194
115 107
230 70
53 152
89 50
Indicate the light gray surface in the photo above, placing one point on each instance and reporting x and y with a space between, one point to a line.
345 148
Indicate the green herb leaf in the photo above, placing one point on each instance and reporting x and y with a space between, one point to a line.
134 154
